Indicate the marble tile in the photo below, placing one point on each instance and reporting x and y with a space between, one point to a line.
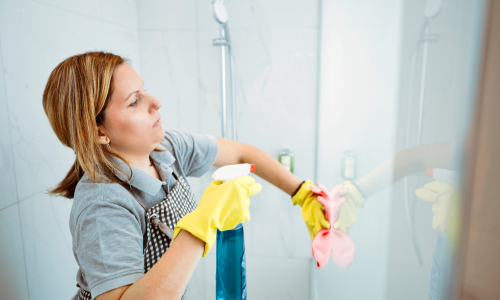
13 282
121 41
160 14
210 266
196 287
278 278
51 266
169 62
261 14
81 34
7 171
349 14
38 155
120 12
209 84
360 281
41 161
275 73
90 8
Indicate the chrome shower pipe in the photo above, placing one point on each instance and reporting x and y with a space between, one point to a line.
425 39
225 44
232 84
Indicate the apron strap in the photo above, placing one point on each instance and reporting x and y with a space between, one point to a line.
136 199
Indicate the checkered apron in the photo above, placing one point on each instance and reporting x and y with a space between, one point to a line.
161 219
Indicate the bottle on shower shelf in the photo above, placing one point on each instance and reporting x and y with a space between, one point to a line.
286 158
348 165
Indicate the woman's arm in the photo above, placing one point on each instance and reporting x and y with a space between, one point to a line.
266 167
169 277
404 163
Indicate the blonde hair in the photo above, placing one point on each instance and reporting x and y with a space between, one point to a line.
75 100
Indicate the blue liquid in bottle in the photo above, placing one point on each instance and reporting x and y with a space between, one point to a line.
231 265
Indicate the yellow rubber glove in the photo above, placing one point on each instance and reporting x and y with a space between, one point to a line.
222 206
313 212
445 197
347 212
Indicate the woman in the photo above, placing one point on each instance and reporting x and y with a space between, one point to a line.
129 183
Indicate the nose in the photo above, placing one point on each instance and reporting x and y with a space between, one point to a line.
155 104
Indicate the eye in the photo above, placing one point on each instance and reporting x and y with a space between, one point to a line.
135 102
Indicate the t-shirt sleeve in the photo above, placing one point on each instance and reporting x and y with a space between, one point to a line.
195 152
109 247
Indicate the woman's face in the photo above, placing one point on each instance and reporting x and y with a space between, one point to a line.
132 121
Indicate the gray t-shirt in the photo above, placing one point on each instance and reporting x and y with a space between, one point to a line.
107 224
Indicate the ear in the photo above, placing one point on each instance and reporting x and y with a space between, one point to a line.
103 138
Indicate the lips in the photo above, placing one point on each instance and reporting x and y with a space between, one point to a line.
157 123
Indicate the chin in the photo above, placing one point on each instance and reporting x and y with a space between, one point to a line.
160 134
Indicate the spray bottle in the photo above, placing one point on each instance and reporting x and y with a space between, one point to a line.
443 175
231 262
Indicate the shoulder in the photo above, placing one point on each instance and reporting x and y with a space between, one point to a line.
195 153
185 139
90 195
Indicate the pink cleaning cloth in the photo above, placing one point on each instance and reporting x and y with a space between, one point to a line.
332 242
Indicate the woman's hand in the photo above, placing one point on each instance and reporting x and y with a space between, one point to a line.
348 213
222 206
313 212
444 197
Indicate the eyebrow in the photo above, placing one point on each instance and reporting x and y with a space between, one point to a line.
131 95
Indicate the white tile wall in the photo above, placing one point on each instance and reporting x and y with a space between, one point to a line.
8 190
90 8
13 283
34 37
253 14
120 12
276 71
40 159
169 62
278 278
50 264
166 14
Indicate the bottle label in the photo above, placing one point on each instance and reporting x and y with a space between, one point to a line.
243 277
349 168
286 162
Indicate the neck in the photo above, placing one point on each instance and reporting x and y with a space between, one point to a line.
140 162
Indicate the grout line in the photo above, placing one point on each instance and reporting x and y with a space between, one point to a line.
136 29
232 29
15 177
139 47
30 196
84 15
9 206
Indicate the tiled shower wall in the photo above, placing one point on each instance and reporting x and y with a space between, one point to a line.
36 260
170 44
